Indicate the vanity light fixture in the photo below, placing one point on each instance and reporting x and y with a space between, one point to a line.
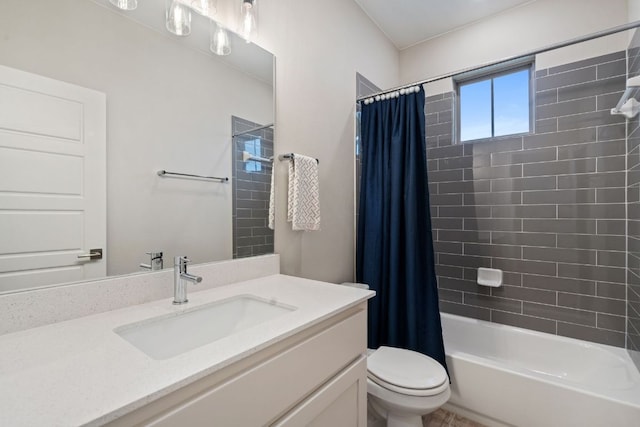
248 20
125 4
178 18
219 42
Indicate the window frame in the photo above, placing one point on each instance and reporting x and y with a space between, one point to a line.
490 73
253 165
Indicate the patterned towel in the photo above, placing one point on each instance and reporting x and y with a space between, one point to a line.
304 194
272 200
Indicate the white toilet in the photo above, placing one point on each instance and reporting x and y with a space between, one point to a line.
404 385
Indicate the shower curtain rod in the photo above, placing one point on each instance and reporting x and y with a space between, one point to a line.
576 40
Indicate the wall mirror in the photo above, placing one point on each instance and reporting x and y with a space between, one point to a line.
75 71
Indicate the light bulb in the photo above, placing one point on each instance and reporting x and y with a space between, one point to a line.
205 7
178 18
248 22
219 44
125 4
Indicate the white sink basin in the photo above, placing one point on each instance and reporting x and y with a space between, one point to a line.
167 336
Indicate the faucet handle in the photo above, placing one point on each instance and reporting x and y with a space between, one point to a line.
181 260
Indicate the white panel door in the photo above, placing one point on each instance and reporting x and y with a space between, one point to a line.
52 181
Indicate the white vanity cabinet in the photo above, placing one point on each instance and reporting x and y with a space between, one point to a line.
317 377
304 367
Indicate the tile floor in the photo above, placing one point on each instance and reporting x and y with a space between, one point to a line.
442 418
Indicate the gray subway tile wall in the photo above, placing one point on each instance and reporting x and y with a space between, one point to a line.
251 187
547 208
633 219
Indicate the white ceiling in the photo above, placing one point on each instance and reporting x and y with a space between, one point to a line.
408 22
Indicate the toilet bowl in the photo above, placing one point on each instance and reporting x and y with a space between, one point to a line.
404 385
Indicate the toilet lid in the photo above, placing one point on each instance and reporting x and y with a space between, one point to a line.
405 369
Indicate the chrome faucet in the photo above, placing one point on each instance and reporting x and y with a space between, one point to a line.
155 261
180 279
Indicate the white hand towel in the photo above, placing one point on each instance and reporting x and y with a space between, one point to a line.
272 200
304 194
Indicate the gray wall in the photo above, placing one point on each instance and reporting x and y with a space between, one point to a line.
251 186
317 119
548 209
633 214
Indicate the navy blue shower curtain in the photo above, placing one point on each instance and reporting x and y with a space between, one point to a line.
395 247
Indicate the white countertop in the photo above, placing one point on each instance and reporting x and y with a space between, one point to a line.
80 372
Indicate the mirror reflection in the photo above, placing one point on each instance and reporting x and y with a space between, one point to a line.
94 101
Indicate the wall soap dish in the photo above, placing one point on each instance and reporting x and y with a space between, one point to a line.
489 277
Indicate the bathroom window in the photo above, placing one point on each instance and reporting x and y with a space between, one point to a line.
495 103
253 147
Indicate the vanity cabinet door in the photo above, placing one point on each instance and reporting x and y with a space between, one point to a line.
342 402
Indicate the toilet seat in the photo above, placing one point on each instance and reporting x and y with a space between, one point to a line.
406 372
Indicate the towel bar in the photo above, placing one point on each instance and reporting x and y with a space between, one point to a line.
290 156
246 156
167 174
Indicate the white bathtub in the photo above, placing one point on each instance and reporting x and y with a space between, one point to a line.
502 375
